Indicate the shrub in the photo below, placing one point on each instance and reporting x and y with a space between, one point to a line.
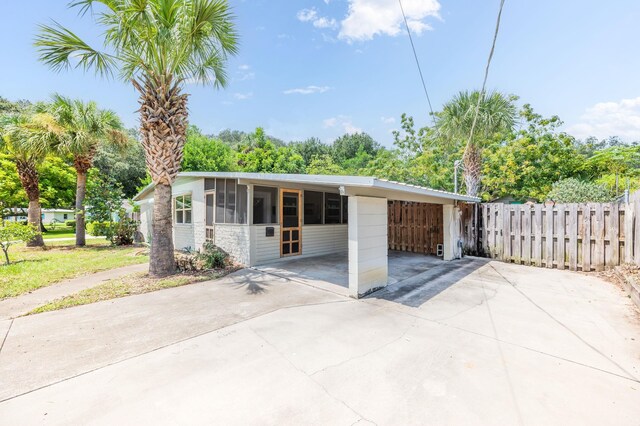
123 232
576 191
70 224
210 257
98 229
12 233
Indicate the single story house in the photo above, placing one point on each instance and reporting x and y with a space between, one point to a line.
262 217
56 215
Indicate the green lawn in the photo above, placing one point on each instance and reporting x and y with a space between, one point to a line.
35 268
126 286
59 232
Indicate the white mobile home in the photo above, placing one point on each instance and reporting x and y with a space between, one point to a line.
259 218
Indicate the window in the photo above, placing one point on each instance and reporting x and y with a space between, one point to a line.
231 201
332 208
312 207
265 205
65 216
182 208
209 184
345 209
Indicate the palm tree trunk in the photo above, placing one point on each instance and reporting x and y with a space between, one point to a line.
472 169
28 174
162 261
163 129
81 190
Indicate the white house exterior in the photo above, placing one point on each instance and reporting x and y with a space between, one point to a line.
259 218
56 215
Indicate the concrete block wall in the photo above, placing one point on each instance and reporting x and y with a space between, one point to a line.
368 264
235 240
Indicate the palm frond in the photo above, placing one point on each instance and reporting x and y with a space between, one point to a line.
59 48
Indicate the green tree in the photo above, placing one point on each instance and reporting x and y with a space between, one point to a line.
324 165
158 46
265 157
527 165
12 233
573 190
86 128
27 137
205 154
350 146
310 148
124 163
57 183
617 160
495 119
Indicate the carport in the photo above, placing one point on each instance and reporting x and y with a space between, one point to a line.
395 231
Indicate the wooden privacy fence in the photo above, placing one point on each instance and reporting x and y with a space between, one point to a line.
415 227
579 237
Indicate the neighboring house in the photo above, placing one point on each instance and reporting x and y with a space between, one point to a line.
56 215
259 218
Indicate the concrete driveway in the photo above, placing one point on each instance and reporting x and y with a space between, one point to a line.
467 342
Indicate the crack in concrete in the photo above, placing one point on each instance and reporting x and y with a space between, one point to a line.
328 367
593 348
6 335
310 377
164 346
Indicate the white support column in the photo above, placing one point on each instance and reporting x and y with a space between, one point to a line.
368 269
451 225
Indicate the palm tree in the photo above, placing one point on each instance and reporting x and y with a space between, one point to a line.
159 46
28 137
86 127
496 115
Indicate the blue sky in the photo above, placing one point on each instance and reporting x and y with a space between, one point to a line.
325 67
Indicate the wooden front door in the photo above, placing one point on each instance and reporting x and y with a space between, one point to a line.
290 222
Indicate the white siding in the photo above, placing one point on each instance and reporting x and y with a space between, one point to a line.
324 239
146 216
185 235
264 248
368 267
235 240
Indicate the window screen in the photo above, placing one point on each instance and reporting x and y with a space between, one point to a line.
345 209
312 207
220 199
333 210
241 204
230 206
265 205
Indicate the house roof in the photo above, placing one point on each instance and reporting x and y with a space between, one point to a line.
326 180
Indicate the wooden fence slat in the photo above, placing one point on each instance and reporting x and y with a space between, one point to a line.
549 236
508 211
586 239
629 214
636 233
517 234
560 237
614 235
572 230
599 238
526 225
537 235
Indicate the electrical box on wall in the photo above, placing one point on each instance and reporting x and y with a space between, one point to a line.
269 231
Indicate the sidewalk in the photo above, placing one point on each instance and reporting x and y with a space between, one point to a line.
20 305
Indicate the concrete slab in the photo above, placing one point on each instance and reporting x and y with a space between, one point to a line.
53 346
331 272
481 343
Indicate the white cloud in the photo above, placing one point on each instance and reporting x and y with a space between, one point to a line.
368 18
309 90
244 67
243 96
311 15
388 120
341 121
306 15
606 119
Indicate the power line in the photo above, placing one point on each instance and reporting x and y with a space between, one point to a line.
415 55
486 75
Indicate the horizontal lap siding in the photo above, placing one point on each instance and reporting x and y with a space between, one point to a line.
324 239
183 237
265 248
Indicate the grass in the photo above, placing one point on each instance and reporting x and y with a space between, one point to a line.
60 231
120 287
33 268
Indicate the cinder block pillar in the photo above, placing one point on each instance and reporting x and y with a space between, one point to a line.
368 269
451 224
